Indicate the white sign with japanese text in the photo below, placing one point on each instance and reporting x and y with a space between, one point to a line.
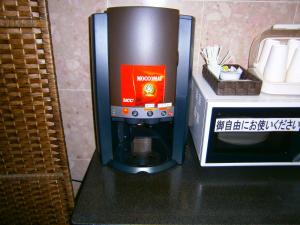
257 124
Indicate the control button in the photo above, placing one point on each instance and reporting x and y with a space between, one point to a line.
134 113
163 113
125 110
149 113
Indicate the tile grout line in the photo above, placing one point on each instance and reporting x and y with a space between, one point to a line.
71 89
201 35
83 159
198 71
297 8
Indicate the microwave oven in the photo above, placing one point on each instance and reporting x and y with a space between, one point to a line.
262 130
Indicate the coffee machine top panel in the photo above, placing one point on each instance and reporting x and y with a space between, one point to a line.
143 55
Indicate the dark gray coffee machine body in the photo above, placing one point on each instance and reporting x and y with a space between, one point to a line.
141 59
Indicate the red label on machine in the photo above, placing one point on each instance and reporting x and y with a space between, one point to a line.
142 85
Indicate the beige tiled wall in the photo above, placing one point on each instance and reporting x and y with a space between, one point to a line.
233 24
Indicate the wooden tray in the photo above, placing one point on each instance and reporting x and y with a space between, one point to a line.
249 84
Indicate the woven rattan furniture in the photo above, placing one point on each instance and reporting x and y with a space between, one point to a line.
35 185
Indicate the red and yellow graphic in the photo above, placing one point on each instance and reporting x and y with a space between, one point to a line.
142 85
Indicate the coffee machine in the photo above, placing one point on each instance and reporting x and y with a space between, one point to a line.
141 60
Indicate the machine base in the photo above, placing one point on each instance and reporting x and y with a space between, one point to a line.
151 169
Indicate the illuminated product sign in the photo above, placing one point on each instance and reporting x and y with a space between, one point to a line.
142 84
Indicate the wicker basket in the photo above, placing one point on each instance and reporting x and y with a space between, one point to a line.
35 185
248 85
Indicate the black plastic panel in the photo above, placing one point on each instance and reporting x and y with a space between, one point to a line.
275 146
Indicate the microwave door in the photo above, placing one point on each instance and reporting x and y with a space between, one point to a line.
231 145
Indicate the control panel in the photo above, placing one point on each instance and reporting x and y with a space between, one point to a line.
141 113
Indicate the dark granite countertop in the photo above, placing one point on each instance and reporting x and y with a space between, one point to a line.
189 194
